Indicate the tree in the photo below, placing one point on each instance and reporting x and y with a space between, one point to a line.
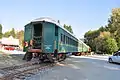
114 20
90 38
20 36
102 29
114 25
69 28
118 43
12 32
65 26
6 34
111 45
0 31
100 42
111 32
105 43
105 34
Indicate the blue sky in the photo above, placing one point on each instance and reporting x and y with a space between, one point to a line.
83 15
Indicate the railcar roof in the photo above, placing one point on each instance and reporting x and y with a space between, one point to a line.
47 19
83 43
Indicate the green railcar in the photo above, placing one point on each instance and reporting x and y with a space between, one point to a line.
45 35
82 47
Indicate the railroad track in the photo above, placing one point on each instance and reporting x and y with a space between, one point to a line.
24 70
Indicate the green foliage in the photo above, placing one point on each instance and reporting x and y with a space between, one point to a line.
0 31
20 36
110 45
69 28
90 38
92 34
6 34
99 44
12 32
114 25
114 20
0 28
118 42
106 44
102 29
106 39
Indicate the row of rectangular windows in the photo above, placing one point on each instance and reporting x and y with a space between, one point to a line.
67 40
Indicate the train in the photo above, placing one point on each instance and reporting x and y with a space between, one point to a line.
47 39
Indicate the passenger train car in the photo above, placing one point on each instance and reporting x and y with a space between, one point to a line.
45 36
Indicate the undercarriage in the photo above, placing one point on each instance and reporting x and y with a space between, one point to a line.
45 57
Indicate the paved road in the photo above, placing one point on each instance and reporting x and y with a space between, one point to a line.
81 68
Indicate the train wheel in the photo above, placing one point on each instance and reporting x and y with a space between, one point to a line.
28 56
24 58
42 60
41 57
50 58
59 57
75 54
36 55
63 57
79 54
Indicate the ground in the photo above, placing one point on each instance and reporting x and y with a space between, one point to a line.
11 58
92 67
81 68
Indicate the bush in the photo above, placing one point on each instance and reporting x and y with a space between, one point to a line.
110 45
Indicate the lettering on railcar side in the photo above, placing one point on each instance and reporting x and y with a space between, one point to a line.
47 46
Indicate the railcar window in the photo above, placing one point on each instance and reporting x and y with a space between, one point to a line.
61 38
64 39
76 43
73 43
70 41
67 40
56 30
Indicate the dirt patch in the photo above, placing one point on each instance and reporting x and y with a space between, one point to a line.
7 60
